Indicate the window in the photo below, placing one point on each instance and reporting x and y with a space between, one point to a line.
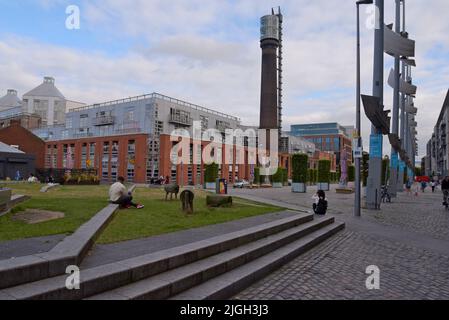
84 121
91 159
131 160
48 155
114 160
129 115
84 156
69 123
105 162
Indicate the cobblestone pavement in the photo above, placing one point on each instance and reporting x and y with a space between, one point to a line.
410 270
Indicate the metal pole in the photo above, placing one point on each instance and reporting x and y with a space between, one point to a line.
376 139
396 101
358 189
400 185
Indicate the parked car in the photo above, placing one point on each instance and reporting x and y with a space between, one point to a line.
241 184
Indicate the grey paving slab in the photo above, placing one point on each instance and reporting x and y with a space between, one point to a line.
408 240
25 247
103 254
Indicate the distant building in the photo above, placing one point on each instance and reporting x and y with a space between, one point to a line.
329 137
48 102
13 160
437 148
10 100
26 120
131 137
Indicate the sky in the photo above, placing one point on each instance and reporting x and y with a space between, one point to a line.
208 53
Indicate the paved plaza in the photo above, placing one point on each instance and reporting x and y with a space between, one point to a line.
407 240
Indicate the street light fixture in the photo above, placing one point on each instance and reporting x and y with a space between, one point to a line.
358 188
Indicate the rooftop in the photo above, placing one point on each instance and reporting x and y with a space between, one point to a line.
156 96
10 100
46 89
4 148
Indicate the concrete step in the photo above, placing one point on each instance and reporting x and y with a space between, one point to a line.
70 251
110 276
231 283
167 284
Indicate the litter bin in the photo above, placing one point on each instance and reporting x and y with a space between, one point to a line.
222 186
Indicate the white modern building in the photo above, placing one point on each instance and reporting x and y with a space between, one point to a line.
49 103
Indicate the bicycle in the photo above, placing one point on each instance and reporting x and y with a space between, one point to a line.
385 195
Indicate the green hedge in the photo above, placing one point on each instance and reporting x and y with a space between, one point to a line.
285 176
256 175
211 173
365 167
351 174
324 168
299 168
278 177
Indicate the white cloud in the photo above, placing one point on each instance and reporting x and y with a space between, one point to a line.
207 52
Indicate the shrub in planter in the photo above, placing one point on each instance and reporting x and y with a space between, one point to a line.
300 172
285 177
211 175
278 178
324 167
257 176
351 173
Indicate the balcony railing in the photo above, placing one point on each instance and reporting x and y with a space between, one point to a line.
104 121
181 119
83 135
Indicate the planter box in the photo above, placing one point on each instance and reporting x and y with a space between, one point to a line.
299 188
210 186
5 198
277 185
323 186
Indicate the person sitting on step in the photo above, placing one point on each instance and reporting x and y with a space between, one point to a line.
118 194
320 205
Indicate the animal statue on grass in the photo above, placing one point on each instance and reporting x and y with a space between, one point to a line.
187 197
171 189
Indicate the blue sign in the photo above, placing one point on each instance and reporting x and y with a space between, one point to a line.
376 141
394 160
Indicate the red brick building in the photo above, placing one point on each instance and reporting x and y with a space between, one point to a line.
26 141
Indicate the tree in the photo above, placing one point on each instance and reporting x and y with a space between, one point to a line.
324 168
365 167
278 177
351 174
299 168
256 175
211 173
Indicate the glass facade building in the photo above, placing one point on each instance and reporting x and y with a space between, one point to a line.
331 137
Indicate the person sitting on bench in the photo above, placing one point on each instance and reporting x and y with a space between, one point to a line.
118 194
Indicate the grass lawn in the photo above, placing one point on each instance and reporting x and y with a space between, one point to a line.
80 203
160 216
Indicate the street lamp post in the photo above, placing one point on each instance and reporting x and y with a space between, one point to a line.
358 173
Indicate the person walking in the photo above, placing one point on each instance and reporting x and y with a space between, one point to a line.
118 194
408 187
445 189
433 186
423 186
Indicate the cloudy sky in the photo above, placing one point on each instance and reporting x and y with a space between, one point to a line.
207 52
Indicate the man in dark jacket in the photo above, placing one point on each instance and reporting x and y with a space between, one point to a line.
445 189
